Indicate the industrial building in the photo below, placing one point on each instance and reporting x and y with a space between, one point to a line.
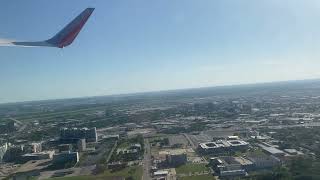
74 134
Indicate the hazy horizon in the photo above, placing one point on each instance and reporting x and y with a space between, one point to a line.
163 90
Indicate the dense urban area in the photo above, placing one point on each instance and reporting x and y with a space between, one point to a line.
262 131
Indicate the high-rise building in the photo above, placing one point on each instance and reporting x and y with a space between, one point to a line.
13 153
81 145
36 147
7 127
3 150
90 135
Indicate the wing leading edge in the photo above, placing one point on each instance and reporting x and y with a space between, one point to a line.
63 38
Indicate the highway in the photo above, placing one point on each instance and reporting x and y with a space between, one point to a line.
146 161
20 124
194 147
310 124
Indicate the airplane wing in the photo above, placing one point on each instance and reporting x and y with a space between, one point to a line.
62 39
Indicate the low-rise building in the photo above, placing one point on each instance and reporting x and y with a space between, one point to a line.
233 138
116 165
38 156
176 159
114 137
293 152
65 147
132 149
220 146
65 157
272 150
136 146
165 174
263 161
227 167
245 163
173 157
160 173
127 151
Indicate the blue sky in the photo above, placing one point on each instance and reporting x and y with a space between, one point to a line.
149 45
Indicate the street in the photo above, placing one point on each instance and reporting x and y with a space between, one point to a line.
146 161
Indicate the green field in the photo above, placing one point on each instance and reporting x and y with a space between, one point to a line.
191 168
200 177
135 172
76 178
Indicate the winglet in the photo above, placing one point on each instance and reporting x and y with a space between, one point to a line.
68 34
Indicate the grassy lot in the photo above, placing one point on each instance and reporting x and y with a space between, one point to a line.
200 177
135 172
191 168
124 144
75 178
100 156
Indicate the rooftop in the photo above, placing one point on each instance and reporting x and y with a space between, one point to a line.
222 143
271 150
161 173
